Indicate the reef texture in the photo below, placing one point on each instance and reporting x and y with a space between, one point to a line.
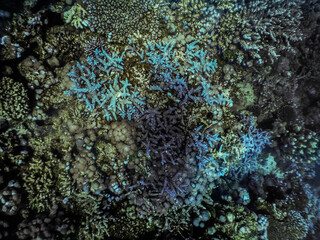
157 119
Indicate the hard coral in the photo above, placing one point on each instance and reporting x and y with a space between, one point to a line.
119 18
13 100
96 84
294 226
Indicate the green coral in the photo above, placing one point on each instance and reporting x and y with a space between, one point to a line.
294 226
272 209
10 141
71 44
129 224
302 143
245 95
106 154
13 100
93 223
231 55
39 182
76 16
235 221
117 19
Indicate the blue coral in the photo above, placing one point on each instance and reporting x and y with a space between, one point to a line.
120 101
211 99
201 142
166 77
164 137
111 95
253 141
86 87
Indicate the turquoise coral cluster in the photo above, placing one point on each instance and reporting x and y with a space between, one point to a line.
106 94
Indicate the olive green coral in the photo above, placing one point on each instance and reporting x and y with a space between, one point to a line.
76 16
119 18
13 100
129 224
294 226
235 221
39 182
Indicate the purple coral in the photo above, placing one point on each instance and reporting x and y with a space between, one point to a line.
162 134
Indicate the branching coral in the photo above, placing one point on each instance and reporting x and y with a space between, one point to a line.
293 226
14 101
245 27
121 17
106 93
40 183
76 16
141 138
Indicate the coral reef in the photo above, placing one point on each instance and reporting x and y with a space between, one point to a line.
157 119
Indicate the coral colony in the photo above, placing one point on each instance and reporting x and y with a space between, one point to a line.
158 119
